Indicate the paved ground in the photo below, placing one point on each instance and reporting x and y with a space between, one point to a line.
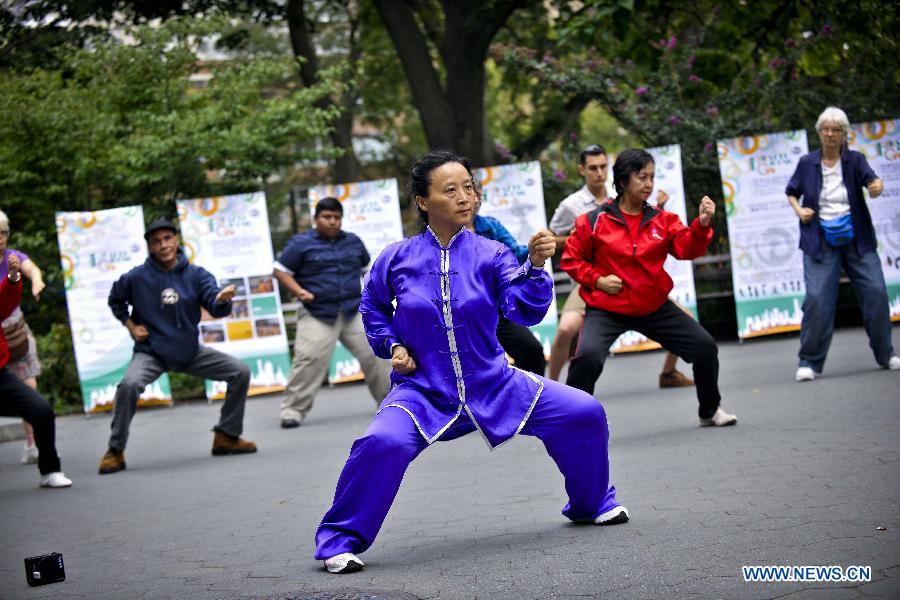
806 478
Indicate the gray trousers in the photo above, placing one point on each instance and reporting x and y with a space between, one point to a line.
313 346
208 363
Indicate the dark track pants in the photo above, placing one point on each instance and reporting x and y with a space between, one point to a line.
19 400
518 341
668 325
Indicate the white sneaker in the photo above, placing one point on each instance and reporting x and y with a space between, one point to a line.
805 374
56 479
894 363
720 419
29 455
613 516
344 563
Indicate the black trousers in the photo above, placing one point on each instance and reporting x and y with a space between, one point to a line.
518 341
668 325
19 400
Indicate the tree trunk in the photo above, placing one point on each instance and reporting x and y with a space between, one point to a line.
345 168
453 115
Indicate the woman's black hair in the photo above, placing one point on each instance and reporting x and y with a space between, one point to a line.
329 203
628 162
420 174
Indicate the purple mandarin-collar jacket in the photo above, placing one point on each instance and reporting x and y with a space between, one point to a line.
448 300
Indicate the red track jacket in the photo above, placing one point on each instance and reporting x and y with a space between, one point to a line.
10 296
601 245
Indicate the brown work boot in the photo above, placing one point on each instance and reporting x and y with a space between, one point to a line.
674 378
228 444
112 461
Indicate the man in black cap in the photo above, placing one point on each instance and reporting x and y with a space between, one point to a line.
166 294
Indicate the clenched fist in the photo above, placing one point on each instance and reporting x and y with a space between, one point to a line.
13 264
805 215
138 333
541 246
707 210
401 361
225 294
611 284
875 187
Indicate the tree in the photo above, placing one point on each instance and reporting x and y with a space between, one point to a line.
302 34
450 103
696 73
120 123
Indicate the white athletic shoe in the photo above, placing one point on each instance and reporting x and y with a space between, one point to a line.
805 374
894 363
29 455
56 479
613 516
720 419
344 563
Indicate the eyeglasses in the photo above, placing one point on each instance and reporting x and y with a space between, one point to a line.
5 233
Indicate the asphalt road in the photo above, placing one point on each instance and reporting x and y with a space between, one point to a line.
809 476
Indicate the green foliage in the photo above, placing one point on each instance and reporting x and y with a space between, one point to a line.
58 381
697 73
118 123
186 387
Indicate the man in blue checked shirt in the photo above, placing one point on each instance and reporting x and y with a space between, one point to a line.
322 268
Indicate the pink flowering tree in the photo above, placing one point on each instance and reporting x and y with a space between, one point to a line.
693 74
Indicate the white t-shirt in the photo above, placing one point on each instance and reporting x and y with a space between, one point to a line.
575 205
833 201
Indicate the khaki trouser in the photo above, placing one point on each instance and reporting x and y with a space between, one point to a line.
574 302
313 347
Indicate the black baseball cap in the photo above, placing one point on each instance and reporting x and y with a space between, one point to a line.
157 225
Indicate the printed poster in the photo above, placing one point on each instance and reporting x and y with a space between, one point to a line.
371 211
514 195
880 142
766 265
668 178
96 248
229 236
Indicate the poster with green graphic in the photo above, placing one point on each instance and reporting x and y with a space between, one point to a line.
766 264
371 211
514 195
96 248
880 142
229 236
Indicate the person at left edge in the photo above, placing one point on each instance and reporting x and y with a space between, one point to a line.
18 399
165 295
322 268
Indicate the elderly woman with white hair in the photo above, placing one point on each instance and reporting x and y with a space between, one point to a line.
23 356
836 231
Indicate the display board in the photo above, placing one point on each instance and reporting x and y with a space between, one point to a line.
514 195
96 248
766 266
880 142
229 236
371 211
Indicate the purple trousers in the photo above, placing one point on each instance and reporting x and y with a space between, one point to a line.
570 423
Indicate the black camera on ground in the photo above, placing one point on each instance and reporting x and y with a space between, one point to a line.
41 570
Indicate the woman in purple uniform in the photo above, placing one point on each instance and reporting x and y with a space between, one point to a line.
450 376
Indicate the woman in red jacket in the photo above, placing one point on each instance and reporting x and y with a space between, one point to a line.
616 252
19 400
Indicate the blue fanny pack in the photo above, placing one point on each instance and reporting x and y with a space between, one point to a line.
838 232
